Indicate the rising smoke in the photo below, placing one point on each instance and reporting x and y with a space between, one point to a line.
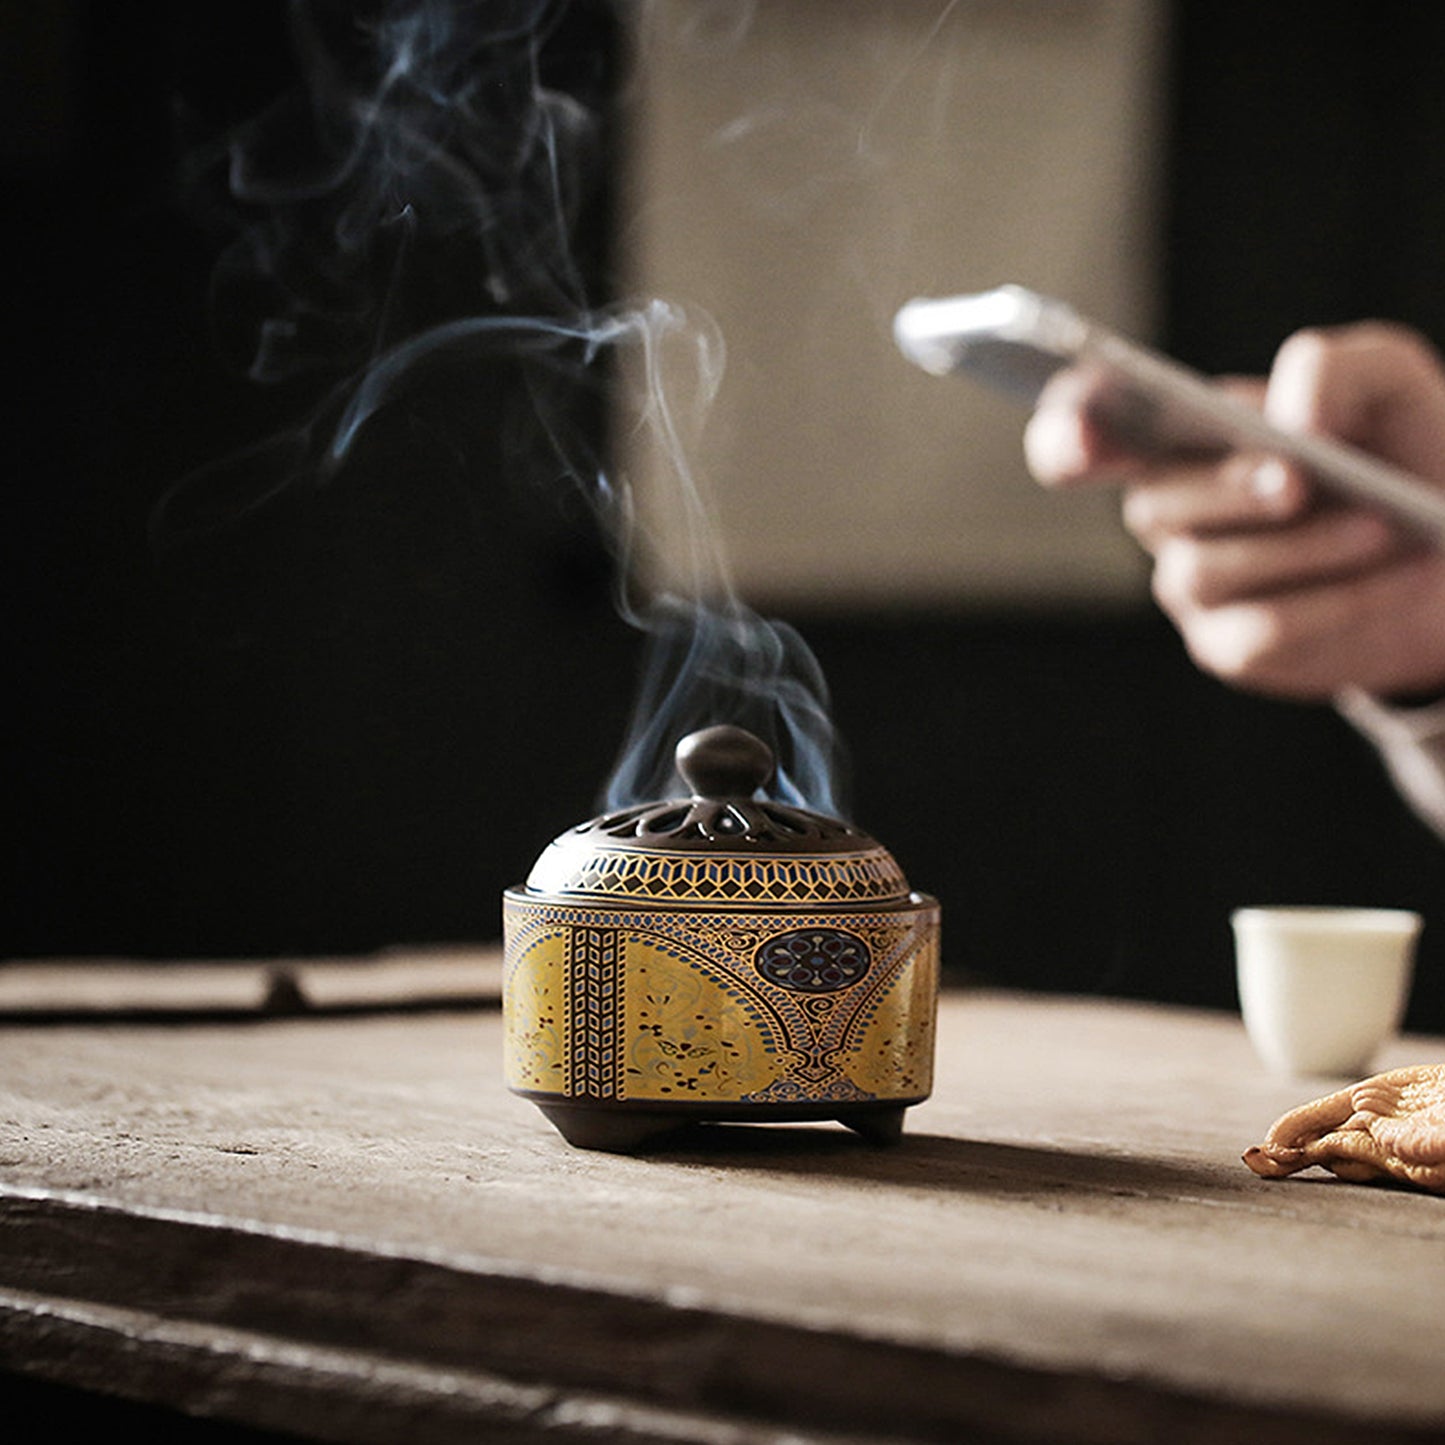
467 139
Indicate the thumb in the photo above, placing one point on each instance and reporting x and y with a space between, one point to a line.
1378 386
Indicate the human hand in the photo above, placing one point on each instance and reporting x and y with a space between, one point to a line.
1390 1126
1274 587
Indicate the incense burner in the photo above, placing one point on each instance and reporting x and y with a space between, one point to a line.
718 957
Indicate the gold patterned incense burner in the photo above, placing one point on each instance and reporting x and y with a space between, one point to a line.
718 957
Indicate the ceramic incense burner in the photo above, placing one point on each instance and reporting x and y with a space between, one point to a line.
718 957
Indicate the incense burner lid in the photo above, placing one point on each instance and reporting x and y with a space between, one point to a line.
724 844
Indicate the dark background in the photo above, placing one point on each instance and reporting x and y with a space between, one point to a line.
349 719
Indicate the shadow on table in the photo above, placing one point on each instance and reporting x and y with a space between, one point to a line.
939 1162
1046 1175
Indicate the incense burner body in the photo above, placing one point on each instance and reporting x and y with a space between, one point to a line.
717 957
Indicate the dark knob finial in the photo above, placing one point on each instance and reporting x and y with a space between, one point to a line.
724 762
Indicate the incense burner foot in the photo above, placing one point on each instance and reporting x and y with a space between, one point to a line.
634 1131
613 1131
882 1126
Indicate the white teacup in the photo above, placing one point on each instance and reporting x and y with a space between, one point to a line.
1321 989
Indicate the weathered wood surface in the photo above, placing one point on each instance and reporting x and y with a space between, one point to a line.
74 989
344 1226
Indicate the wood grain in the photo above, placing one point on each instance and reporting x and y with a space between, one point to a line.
339 1224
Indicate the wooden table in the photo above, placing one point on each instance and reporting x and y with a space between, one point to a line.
339 1224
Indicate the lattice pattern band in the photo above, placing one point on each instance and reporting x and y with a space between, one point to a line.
868 877
594 975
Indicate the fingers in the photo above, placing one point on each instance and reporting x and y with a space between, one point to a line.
1308 1122
1422 1176
1414 1087
1417 1140
1263 1163
1312 641
1405 1109
1194 572
1065 443
1243 492
1379 386
1273 588
1068 441
1343 1133
1293 1141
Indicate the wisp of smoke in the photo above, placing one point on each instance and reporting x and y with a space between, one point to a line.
429 138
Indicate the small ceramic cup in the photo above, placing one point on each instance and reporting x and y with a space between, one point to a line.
1321 989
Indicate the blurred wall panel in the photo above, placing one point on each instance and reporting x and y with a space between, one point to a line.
796 172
